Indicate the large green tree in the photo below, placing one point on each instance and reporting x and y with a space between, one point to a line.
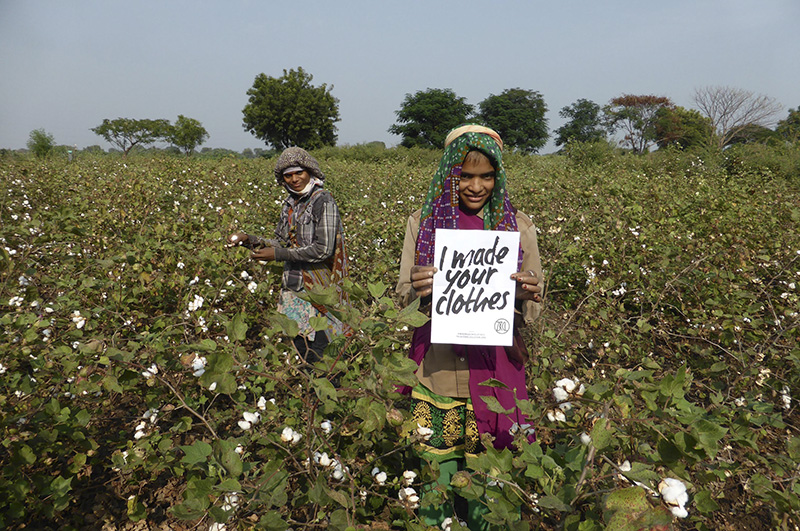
789 128
680 127
635 115
289 111
126 133
518 116
584 123
187 134
41 143
425 117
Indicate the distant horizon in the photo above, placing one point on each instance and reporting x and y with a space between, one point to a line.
68 66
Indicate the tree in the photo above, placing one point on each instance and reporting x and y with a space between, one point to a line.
425 118
789 128
125 133
518 116
585 123
187 134
290 111
635 115
41 143
731 110
684 128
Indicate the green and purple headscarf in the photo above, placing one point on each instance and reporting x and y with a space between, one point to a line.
440 210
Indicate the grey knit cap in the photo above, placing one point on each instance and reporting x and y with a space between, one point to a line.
295 156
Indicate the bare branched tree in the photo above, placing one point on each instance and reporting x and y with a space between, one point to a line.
731 110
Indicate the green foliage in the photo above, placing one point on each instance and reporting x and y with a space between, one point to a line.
136 348
518 116
425 117
682 128
41 143
635 115
585 123
187 134
789 128
127 133
289 111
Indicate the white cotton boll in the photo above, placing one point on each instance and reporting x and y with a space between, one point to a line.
239 449
213 386
286 434
245 425
560 416
296 436
679 512
565 406
252 287
585 439
326 426
381 478
560 394
581 389
251 417
408 477
324 460
262 403
424 432
567 384
551 416
409 496
625 466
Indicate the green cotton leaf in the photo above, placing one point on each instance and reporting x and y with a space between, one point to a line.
337 496
324 389
272 521
793 448
136 510
237 327
411 316
377 289
705 503
26 455
287 326
551 502
601 434
196 453
627 500
319 323
708 434
225 454
494 406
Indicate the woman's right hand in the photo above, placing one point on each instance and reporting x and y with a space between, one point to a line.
237 238
422 279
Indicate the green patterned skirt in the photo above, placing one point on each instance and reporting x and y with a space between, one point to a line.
455 432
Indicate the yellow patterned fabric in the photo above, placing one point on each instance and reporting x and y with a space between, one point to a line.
452 420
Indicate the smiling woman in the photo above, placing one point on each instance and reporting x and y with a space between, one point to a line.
310 242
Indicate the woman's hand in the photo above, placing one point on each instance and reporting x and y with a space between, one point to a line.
267 254
528 287
422 279
237 238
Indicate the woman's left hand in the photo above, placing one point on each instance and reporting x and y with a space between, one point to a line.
528 287
266 254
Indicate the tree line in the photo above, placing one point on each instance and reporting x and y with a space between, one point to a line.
290 111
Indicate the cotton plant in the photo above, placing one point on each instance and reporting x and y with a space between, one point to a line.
564 389
379 476
408 497
249 419
146 424
288 435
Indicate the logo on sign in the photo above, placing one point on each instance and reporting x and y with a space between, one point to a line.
501 326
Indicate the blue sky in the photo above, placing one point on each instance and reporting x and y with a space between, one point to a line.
65 66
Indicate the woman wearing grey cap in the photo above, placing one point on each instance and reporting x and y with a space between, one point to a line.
310 242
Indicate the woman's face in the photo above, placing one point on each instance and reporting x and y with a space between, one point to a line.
297 180
475 185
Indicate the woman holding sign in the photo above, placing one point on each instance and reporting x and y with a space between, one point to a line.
468 192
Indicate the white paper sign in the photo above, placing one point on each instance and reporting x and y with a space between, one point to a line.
473 293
